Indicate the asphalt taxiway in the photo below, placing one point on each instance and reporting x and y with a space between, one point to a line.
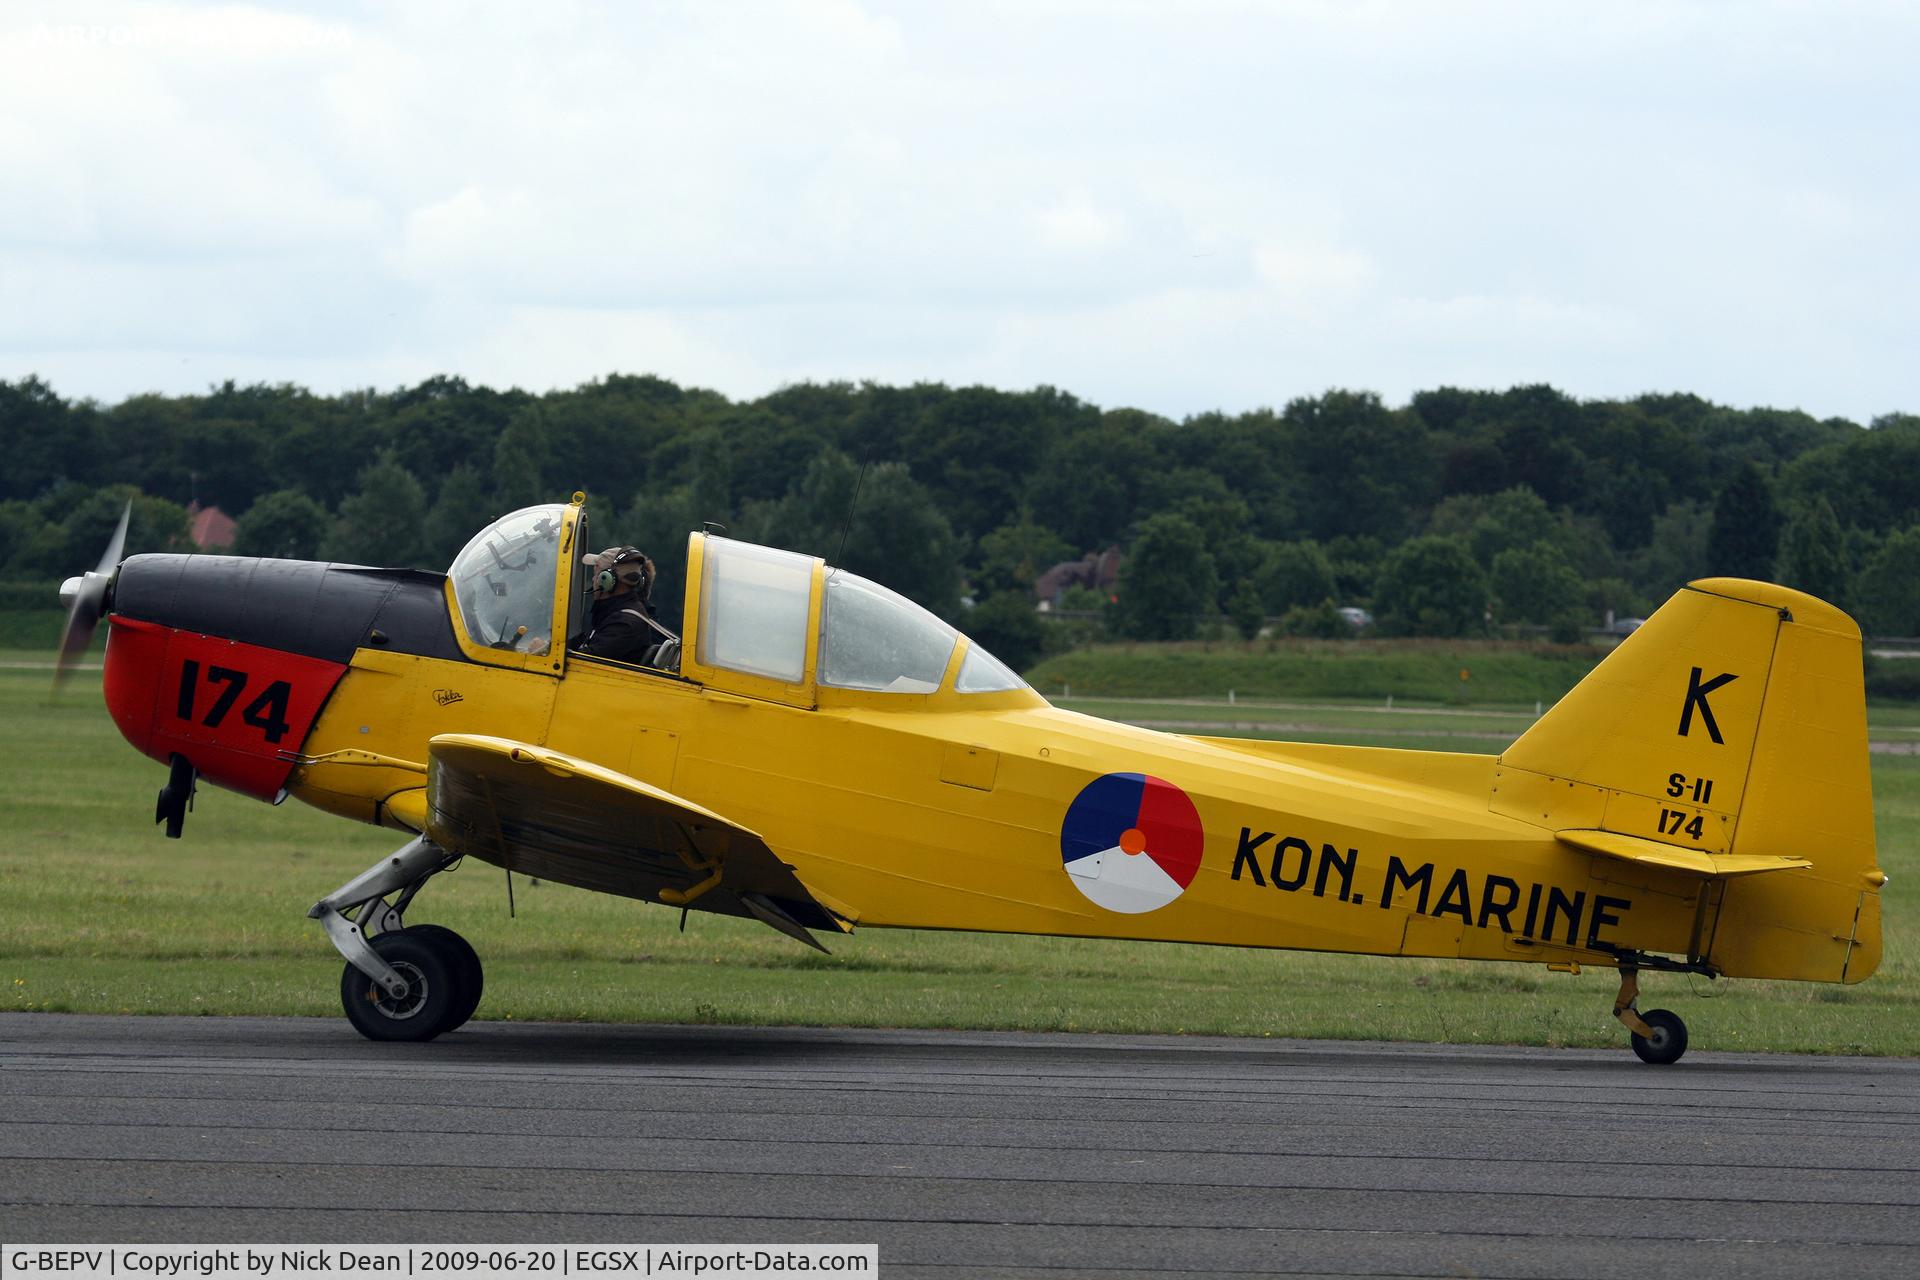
965 1154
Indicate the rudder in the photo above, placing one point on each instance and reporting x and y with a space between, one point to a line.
1732 724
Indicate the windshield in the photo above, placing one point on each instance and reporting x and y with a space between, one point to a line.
984 673
871 638
504 580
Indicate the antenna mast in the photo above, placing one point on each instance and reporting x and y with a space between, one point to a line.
847 528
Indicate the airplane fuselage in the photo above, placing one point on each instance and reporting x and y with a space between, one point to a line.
955 820
951 796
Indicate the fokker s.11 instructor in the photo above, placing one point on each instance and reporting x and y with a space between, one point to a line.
818 753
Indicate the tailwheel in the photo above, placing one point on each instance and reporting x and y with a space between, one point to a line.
1667 1039
431 972
469 979
1659 1037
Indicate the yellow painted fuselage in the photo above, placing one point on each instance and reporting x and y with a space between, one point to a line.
939 812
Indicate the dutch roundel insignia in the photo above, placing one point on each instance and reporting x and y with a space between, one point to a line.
1131 842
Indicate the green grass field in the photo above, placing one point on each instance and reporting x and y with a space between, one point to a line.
1404 724
1440 672
100 913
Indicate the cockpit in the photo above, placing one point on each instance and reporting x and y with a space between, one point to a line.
761 621
755 610
504 578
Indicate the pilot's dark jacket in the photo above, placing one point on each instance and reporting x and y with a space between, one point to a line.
623 629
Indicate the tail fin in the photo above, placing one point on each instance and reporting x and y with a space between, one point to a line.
1727 736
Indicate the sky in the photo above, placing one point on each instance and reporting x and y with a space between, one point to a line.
1182 208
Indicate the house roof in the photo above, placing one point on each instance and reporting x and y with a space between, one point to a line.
1098 570
210 528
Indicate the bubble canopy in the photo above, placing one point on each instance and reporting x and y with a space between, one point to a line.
753 615
872 638
503 580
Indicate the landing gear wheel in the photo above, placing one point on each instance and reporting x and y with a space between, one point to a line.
428 966
1668 1041
469 980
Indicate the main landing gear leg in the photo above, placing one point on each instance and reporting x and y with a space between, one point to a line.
400 983
1659 1036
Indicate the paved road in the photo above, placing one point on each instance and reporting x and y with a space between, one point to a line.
965 1154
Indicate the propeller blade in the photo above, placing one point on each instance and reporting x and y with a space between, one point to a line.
83 615
85 598
119 543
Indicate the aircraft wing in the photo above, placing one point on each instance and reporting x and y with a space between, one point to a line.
1612 844
557 817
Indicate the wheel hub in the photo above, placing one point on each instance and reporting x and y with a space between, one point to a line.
406 1006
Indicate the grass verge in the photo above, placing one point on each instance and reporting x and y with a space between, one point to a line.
1449 672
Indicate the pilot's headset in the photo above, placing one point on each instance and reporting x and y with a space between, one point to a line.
638 570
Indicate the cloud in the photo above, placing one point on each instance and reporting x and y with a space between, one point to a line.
127 135
1187 206
1076 225
1510 323
1320 275
534 346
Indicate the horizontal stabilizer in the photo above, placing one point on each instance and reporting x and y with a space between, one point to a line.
1612 844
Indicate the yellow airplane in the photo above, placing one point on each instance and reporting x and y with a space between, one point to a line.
819 753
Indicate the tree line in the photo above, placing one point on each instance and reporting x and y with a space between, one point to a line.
1458 512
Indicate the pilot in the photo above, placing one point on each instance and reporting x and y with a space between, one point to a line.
623 628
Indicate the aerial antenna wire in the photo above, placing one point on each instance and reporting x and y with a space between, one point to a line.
847 528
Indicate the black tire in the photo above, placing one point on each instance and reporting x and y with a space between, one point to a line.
428 967
1669 1039
470 977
